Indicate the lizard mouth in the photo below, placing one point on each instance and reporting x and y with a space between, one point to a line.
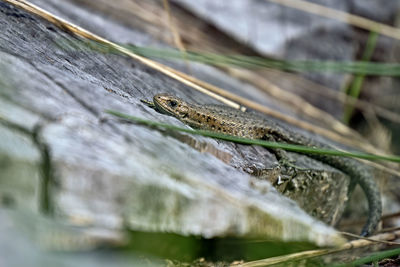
160 108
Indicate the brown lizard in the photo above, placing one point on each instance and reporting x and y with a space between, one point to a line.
229 121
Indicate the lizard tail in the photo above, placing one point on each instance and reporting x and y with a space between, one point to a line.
372 193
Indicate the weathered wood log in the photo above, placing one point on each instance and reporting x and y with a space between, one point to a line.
64 156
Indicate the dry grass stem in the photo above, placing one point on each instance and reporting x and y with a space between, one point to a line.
354 20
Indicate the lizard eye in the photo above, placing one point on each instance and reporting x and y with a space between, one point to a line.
172 103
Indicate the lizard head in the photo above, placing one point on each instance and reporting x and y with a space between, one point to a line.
171 105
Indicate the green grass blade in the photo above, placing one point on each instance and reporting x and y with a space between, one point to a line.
357 67
371 258
250 62
289 147
356 86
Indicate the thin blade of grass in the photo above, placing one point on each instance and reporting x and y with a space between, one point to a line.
251 62
371 258
289 147
356 86
291 259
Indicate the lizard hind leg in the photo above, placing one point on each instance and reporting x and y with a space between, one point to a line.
285 161
282 156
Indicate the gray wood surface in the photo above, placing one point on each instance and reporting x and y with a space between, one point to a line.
61 155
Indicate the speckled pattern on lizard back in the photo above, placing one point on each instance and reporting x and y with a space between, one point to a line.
230 121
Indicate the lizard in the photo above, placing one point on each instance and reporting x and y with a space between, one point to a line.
230 121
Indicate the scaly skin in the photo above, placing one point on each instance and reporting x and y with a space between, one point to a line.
226 120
